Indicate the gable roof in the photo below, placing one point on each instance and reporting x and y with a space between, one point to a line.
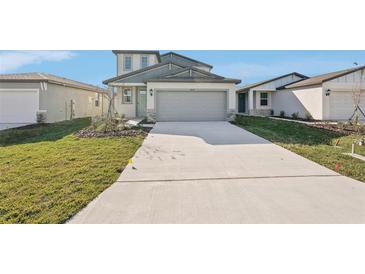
193 74
319 79
166 56
271 80
156 52
200 80
138 71
190 69
50 78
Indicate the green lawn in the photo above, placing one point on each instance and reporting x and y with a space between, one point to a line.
312 143
47 174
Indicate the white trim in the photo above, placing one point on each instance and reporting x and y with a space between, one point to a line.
20 89
127 85
148 61
124 56
131 96
267 98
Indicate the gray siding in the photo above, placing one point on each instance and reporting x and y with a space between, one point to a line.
179 60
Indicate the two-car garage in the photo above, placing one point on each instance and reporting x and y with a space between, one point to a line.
186 105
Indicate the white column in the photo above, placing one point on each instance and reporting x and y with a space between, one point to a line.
250 101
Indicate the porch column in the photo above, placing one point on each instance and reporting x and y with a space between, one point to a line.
250 101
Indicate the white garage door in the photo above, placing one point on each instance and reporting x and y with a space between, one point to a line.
18 106
191 105
342 105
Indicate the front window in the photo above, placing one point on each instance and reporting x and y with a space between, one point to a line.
264 99
144 61
127 96
127 63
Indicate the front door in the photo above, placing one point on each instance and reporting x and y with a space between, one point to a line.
242 102
141 102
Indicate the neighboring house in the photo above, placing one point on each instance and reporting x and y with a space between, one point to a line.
170 87
257 99
326 97
24 95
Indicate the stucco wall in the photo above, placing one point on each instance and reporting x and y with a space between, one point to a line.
128 110
57 101
299 100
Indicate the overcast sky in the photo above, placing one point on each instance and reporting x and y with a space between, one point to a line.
250 66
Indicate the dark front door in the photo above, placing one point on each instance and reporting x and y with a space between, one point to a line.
242 102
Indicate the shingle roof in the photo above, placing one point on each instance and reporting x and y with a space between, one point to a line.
173 76
201 80
318 80
138 71
187 58
270 80
46 77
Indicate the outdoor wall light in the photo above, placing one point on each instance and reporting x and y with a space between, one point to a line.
328 92
151 91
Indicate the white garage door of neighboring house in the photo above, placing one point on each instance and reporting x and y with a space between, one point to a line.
18 106
342 105
191 105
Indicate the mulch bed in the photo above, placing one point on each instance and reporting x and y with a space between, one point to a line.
91 133
342 129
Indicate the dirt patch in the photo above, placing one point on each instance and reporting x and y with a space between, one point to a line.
91 133
340 128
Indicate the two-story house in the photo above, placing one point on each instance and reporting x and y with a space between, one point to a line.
170 87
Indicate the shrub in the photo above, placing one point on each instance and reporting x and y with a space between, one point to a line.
295 115
308 116
282 113
41 117
239 120
105 124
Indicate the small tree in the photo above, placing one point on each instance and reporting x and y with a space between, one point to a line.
357 90
355 118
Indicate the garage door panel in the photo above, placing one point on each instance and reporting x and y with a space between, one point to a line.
191 105
18 106
342 105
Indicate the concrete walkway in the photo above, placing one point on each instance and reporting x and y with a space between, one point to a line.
215 172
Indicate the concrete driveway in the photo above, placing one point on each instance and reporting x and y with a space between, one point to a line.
215 172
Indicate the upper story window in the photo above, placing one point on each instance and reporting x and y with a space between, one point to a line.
144 61
264 99
127 63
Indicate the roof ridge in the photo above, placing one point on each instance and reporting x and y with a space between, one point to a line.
252 85
188 58
324 77
41 74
